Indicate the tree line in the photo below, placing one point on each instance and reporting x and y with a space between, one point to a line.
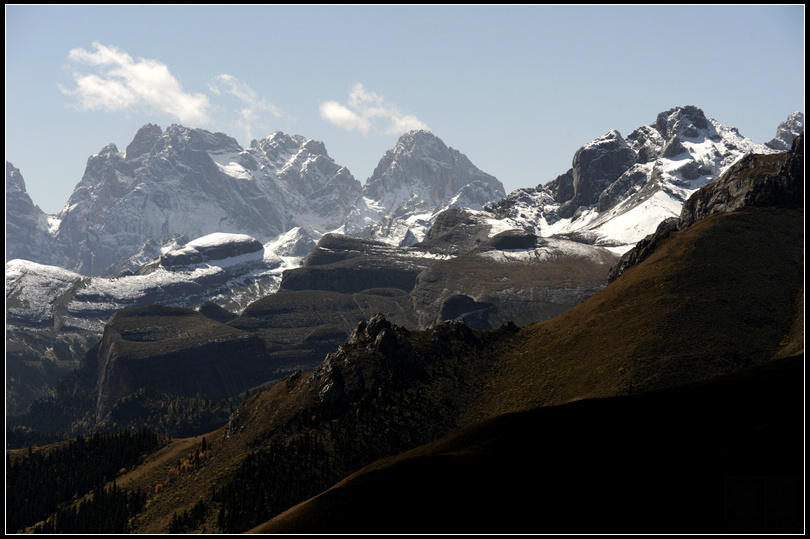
106 511
40 482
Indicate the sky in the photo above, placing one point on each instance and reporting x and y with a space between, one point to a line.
517 89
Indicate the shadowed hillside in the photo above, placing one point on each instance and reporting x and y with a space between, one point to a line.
714 457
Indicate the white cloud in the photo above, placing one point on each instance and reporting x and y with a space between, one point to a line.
121 82
365 111
344 118
250 115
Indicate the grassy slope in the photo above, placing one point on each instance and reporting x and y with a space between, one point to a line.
714 298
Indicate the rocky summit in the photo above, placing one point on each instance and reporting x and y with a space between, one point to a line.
620 188
414 182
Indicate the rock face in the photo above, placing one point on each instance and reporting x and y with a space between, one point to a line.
619 189
26 225
595 167
787 132
349 265
756 180
412 183
379 355
193 183
178 351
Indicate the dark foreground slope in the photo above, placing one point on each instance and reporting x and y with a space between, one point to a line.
713 457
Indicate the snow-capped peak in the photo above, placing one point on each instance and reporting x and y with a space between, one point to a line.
618 190
412 183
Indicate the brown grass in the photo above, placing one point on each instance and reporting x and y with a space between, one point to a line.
712 299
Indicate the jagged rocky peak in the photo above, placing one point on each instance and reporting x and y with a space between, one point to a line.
14 180
594 168
686 121
195 139
316 147
279 144
420 157
194 183
280 147
144 140
412 184
619 189
368 331
787 132
305 169
27 226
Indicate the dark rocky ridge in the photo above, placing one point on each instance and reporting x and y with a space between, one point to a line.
755 180
708 457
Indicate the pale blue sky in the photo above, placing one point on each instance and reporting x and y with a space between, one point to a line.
516 88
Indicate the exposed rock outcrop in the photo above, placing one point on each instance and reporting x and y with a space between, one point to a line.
756 180
178 351
787 132
595 166
347 264
27 234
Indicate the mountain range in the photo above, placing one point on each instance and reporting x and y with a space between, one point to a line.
188 218
668 401
180 184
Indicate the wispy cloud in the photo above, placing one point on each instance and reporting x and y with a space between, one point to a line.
120 82
365 111
253 107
